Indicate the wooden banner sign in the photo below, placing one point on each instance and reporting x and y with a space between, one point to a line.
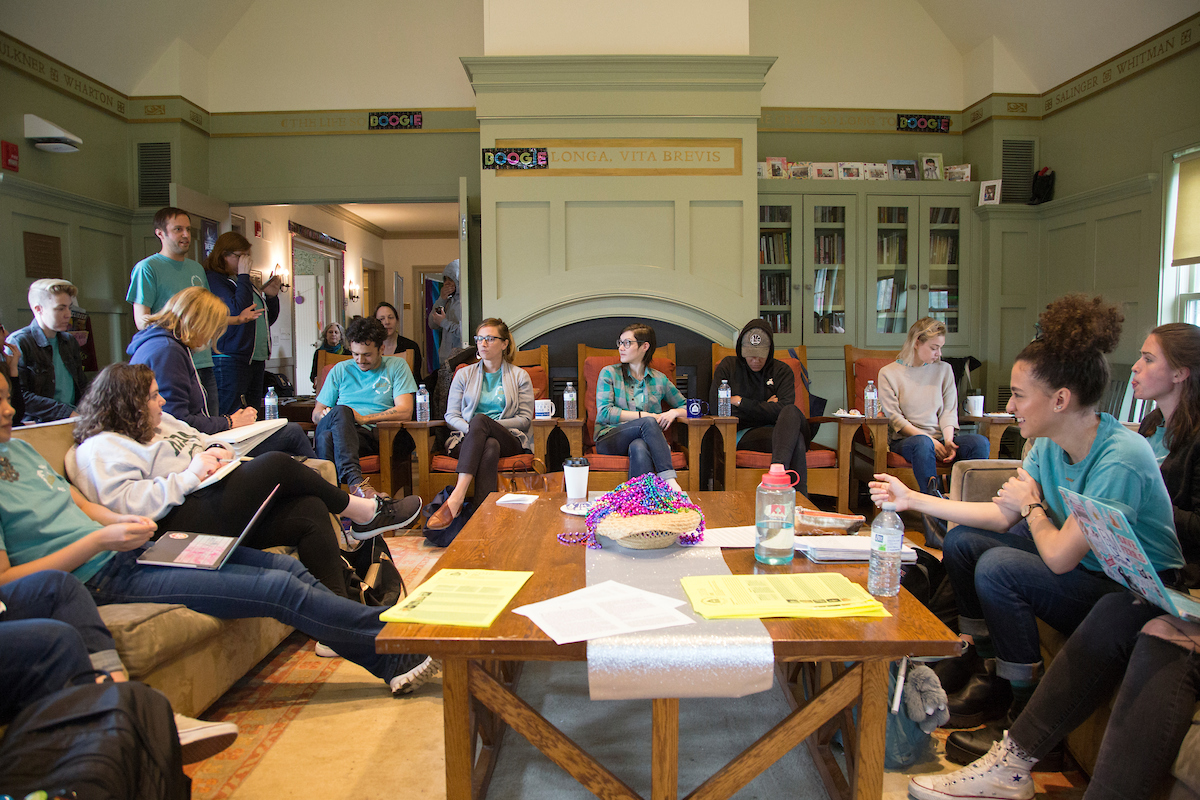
575 157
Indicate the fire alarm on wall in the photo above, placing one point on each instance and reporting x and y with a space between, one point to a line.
10 156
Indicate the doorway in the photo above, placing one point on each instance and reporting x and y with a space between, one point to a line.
317 281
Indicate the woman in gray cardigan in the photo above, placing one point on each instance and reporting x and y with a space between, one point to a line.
490 410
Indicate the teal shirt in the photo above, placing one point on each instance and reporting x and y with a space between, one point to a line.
367 392
64 384
261 348
491 396
1157 444
37 515
1121 470
156 279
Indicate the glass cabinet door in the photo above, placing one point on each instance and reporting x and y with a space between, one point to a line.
828 253
892 269
942 240
775 257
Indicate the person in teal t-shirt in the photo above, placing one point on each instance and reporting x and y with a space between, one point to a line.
1020 558
357 394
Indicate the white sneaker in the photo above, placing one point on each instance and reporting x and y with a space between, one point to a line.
200 740
325 651
1002 774
409 682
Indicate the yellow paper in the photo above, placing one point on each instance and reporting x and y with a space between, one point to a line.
468 597
822 594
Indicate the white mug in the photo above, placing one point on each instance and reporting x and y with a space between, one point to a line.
575 475
543 409
975 405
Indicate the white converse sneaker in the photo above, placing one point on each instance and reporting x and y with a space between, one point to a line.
409 682
1002 774
200 740
324 651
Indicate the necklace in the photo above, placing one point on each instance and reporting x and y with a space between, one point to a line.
7 471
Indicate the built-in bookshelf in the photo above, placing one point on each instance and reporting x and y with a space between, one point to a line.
775 267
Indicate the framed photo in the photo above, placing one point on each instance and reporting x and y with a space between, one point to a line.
958 172
901 170
989 193
875 171
762 169
825 170
777 167
800 169
850 170
930 165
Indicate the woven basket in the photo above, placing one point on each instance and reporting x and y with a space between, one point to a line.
648 531
650 540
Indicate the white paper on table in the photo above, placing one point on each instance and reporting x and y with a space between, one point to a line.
739 536
517 499
606 609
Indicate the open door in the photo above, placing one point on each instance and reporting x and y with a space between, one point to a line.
464 283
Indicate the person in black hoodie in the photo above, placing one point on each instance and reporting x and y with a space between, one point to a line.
764 401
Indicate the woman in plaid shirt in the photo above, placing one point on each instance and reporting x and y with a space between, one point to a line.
629 400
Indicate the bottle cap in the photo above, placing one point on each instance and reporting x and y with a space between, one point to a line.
777 478
889 506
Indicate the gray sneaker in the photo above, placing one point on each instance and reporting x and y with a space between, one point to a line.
390 514
422 673
1002 774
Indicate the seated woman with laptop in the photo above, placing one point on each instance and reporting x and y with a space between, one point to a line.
46 524
134 458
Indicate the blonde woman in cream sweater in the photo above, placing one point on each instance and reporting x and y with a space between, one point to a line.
919 399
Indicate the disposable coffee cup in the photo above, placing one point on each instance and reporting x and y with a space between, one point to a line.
575 472
975 405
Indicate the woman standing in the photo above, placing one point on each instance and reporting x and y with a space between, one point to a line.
240 355
629 400
919 398
490 409
393 343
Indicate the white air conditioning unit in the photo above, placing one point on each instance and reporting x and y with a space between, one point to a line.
49 137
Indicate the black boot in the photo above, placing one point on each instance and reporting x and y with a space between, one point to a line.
984 697
964 747
955 672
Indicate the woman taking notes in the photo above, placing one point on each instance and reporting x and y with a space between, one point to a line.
489 409
629 400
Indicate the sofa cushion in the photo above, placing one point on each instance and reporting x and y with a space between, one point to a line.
148 634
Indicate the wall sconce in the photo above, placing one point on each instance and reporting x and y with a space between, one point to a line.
279 272
351 294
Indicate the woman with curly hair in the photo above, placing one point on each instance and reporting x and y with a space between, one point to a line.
133 458
1021 557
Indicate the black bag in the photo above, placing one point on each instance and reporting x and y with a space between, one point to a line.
816 403
106 741
1043 187
935 529
283 386
371 576
928 581
444 537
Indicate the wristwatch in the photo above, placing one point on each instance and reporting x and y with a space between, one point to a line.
1027 509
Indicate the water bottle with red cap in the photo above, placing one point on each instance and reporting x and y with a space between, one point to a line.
775 517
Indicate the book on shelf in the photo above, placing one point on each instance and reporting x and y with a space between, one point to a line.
775 213
885 294
830 214
875 170
893 215
892 248
943 215
943 249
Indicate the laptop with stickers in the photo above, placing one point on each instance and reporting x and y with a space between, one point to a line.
199 550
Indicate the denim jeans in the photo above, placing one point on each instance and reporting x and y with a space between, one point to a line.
645 445
239 383
256 584
919 451
1003 587
1158 683
208 379
51 636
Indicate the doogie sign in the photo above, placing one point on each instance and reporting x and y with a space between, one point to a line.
569 157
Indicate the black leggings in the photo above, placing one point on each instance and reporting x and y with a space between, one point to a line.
297 517
480 451
786 441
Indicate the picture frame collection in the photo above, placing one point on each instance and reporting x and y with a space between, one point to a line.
927 166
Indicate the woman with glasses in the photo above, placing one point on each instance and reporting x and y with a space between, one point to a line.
240 357
629 402
490 411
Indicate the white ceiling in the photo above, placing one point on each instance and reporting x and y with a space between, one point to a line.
408 217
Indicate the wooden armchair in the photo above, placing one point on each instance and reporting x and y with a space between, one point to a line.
436 470
608 472
828 468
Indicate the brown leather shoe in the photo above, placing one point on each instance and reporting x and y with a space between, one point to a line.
442 518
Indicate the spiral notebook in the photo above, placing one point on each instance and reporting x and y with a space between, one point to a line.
199 550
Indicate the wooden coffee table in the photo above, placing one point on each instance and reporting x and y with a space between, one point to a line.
482 666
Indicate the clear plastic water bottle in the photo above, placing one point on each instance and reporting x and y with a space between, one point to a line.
887 537
775 518
724 406
422 404
271 405
871 400
570 402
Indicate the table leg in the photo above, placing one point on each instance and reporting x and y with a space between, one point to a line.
456 714
872 721
664 750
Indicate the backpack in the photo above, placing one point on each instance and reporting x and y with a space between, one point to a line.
371 576
105 741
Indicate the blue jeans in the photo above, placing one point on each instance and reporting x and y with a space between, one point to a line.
52 637
208 379
1003 587
1158 683
919 451
643 442
256 584
239 383
340 439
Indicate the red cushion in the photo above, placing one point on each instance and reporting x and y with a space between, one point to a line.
591 375
602 463
369 464
897 461
537 376
814 459
444 463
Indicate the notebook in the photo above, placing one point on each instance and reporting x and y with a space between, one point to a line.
1122 556
844 549
199 550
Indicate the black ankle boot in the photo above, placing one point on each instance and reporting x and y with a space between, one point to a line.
955 672
984 698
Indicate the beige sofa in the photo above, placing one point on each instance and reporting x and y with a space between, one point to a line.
191 657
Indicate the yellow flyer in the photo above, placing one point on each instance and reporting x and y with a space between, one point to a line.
824 594
468 597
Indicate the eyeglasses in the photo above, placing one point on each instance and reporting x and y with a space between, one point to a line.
627 343
487 339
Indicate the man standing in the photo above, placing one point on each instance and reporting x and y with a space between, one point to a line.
358 394
156 278
51 363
